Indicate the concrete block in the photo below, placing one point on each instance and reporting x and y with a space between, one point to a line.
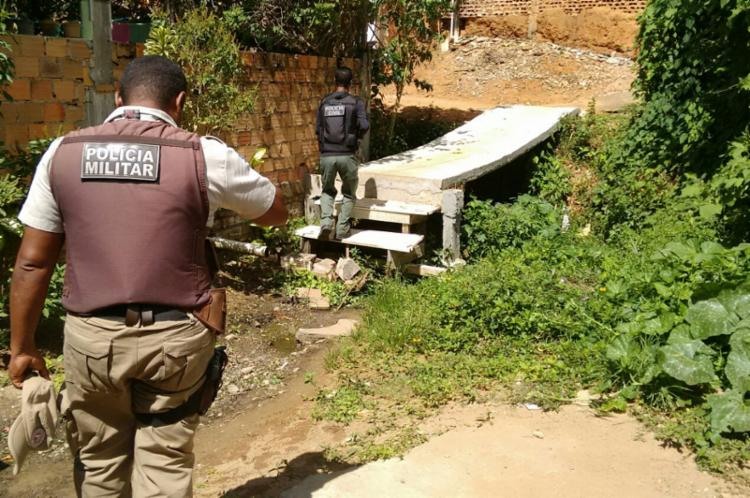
315 298
343 328
347 268
324 268
452 202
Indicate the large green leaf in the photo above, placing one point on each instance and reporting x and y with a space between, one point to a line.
689 362
729 412
619 349
738 360
736 301
710 318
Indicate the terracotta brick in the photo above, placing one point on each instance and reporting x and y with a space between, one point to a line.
87 76
67 127
139 49
72 69
32 46
64 90
30 112
74 113
80 91
9 112
38 131
20 89
26 67
16 136
41 90
56 47
50 67
104 88
13 46
54 112
242 138
79 49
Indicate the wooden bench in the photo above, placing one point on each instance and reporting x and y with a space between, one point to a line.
401 248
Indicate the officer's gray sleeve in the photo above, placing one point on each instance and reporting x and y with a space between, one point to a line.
233 184
40 210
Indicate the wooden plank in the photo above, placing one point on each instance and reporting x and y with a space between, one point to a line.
376 239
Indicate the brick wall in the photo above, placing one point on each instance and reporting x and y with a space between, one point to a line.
290 88
486 8
52 91
51 88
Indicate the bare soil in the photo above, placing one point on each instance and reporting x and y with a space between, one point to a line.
601 29
264 359
482 72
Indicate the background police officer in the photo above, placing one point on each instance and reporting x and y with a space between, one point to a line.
342 120
134 228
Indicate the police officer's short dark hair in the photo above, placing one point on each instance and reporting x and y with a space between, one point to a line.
152 77
344 76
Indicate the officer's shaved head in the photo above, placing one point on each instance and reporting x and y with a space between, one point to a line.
344 77
152 78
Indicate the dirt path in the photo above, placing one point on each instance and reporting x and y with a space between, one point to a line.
271 447
518 453
490 450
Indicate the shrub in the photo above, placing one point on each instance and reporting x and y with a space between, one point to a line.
488 228
204 45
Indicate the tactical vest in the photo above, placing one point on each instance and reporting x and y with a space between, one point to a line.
338 124
134 206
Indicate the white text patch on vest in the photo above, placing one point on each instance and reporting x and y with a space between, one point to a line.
120 161
334 110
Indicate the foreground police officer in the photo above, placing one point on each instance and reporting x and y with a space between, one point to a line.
132 198
342 120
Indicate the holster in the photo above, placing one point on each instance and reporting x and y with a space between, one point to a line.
212 384
200 401
213 314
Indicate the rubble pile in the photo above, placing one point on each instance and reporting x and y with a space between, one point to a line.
482 61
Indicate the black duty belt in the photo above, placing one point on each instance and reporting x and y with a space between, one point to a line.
146 314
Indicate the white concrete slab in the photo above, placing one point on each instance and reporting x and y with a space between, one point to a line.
484 144
377 239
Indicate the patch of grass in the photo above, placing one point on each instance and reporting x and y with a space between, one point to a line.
373 445
342 404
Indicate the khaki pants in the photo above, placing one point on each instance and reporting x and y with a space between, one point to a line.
113 371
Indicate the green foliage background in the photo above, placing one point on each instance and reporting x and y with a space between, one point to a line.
642 295
203 44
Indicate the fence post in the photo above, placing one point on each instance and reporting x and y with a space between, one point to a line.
101 98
